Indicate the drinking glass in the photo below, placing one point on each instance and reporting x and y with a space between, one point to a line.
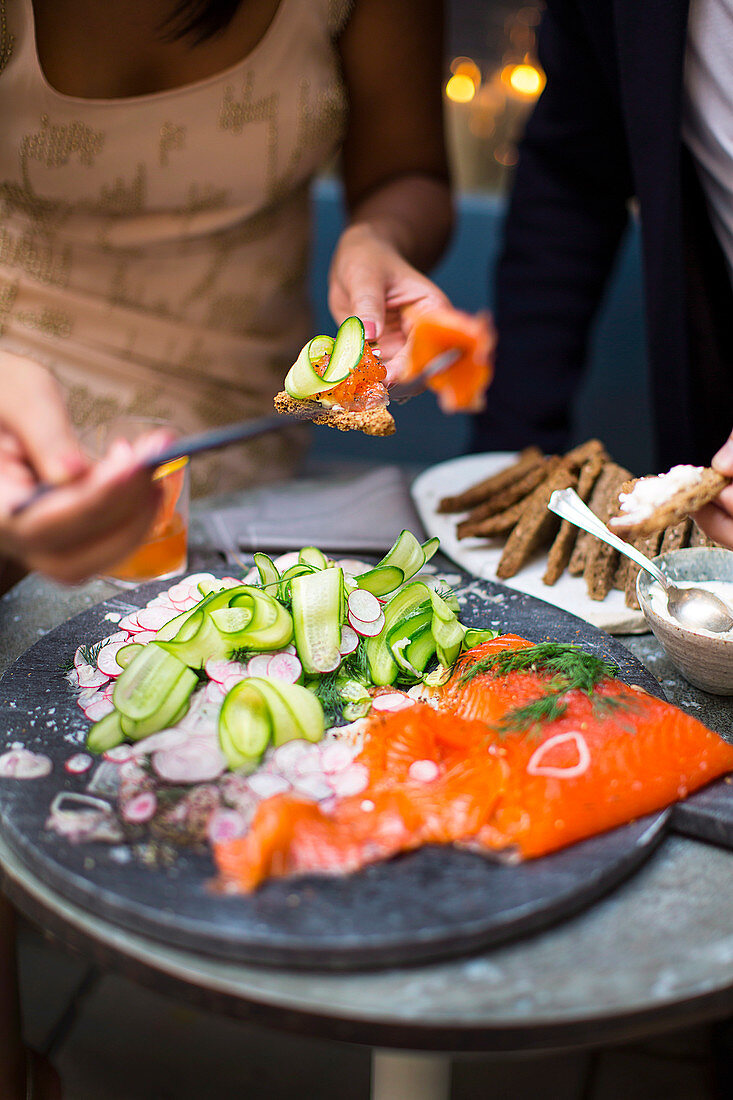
164 551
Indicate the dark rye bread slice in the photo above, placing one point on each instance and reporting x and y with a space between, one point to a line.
592 448
673 538
676 536
603 501
562 547
506 497
377 421
649 545
627 569
482 490
675 507
500 524
536 525
699 538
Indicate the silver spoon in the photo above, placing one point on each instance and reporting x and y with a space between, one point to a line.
692 607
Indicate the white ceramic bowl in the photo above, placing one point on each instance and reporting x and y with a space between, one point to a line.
704 659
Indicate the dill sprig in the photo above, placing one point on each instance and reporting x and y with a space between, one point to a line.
569 667
546 708
90 653
326 689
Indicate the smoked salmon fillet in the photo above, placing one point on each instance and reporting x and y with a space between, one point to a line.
524 750
398 811
462 386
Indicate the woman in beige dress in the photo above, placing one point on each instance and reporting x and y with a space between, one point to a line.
155 163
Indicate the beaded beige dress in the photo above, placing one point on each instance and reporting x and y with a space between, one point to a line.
153 250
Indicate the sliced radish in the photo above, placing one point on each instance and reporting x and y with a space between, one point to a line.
195 579
313 786
286 756
145 636
141 808
107 659
130 623
284 666
353 566
352 780
213 692
78 763
367 630
334 664
364 606
131 773
423 771
118 636
335 757
88 695
284 561
218 669
225 825
179 592
265 785
98 709
349 640
164 739
392 700
91 677
257 665
161 600
120 754
197 761
232 680
152 618
308 763
24 764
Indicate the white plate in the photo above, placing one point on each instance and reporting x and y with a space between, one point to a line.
481 556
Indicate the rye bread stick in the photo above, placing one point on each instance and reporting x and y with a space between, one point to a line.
676 536
602 498
562 547
500 524
482 490
592 448
536 525
602 560
506 497
649 546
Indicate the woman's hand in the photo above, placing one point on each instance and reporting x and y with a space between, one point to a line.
716 519
369 279
99 512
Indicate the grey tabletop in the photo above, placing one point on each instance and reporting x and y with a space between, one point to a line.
656 953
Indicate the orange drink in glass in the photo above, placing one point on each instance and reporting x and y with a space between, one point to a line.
164 552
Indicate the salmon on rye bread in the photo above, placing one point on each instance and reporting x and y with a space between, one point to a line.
649 504
340 382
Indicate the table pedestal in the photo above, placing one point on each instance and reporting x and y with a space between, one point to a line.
397 1075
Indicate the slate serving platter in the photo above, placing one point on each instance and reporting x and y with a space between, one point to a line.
420 907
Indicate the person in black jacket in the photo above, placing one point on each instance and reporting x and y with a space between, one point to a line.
638 98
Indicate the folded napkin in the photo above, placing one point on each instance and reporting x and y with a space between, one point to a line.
335 513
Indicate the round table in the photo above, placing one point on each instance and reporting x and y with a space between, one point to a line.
656 954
